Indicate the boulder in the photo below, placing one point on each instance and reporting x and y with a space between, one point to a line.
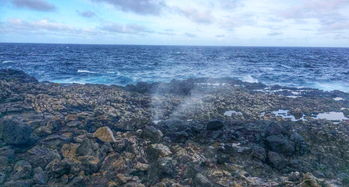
105 134
280 144
276 160
40 176
156 151
152 133
214 125
21 170
14 133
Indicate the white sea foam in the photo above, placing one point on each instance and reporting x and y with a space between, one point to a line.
338 99
85 71
7 61
232 112
249 79
332 116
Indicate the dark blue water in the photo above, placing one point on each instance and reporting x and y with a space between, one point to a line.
323 68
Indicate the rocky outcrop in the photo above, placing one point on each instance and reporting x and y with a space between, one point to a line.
168 134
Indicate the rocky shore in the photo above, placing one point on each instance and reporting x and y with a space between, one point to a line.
196 132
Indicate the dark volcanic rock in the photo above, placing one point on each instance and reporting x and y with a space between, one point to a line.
214 125
98 135
14 133
16 75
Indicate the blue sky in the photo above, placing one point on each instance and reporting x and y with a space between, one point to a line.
177 22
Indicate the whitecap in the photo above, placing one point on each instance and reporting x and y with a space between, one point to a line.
85 71
7 61
249 79
338 99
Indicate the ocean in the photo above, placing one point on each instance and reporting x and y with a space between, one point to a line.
322 68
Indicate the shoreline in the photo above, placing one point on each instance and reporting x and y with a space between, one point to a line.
203 132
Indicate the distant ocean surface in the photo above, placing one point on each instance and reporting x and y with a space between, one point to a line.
322 68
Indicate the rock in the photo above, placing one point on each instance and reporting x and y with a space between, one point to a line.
19 183
21 170
301 146
40 176
163 168
87 147
178 130
156 151
276 160
280 144
202 181
15 134
105 134
151 133
16 75
57 168
309 181
214 125
2 177
258 152
74 123
41 155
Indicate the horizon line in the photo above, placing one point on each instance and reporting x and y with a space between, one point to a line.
179 45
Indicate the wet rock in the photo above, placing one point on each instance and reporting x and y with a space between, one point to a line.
21 170
40 176
214 125
14 133
105 134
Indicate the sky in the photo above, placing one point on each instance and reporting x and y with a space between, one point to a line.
177 22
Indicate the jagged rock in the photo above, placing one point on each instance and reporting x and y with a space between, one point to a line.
21 170
57 168
104 134
150 132
40 176
14 133
280 144
276 160
309 181
16 75
41 155
214 125
87 147
156 151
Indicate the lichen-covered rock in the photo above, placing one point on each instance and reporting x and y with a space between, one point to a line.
104 134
